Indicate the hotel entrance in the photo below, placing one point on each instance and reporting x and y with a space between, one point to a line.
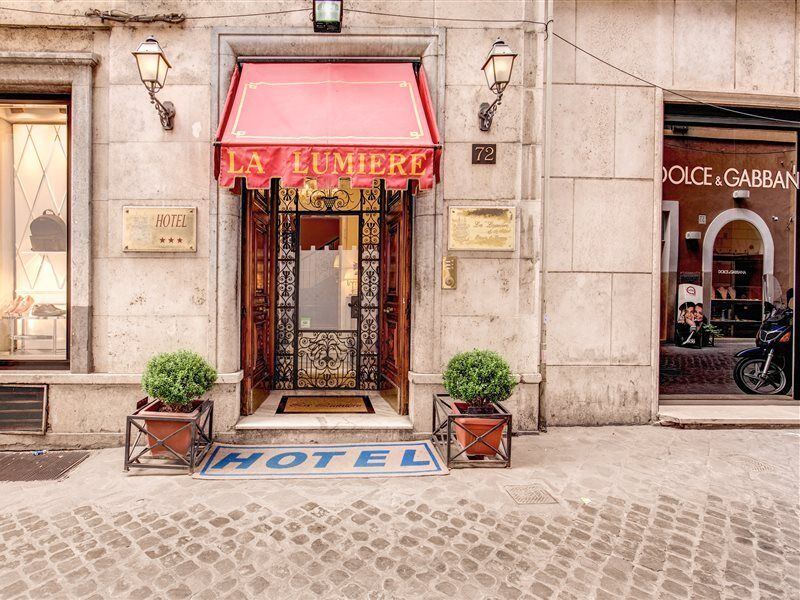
326 157
326 293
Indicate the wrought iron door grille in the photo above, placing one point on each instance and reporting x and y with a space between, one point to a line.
327 359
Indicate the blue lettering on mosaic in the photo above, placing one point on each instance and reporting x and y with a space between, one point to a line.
409 459
244 462
325 458
297 458
370 458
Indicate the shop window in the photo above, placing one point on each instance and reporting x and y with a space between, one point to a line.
34 261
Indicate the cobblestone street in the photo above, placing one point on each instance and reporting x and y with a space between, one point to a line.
637 512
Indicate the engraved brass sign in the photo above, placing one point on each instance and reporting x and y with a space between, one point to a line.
449 272
481 228
159 229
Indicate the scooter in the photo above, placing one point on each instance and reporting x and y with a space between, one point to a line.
767 368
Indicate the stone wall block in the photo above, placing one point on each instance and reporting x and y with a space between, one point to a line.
532 116
99 172
504 335
634 133
705 44
423 292
187 50
563 53
125 344
578 318
463 181
635 35
612 225
558 229
461 114
610 395
136 286
583 131
136 120
529 229
142 170
467 50
631 316
478 9
766 40
486 286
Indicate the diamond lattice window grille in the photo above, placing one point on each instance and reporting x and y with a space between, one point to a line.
40 178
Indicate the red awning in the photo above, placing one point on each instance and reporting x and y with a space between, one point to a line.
325 121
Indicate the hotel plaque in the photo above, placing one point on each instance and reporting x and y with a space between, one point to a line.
481 228
159 229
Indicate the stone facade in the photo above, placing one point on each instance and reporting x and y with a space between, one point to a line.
586 264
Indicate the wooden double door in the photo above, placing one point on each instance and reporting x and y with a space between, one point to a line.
288 342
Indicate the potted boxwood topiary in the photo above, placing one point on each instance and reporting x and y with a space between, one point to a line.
174 381
476 380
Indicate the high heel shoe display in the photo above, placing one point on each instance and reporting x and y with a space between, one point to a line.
9 310
23 307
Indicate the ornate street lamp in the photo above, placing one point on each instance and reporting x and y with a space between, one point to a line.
327 16
153 68
497 68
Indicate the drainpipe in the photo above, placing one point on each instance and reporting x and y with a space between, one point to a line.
547 151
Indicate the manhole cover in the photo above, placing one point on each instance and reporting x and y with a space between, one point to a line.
530 494
26 466
751 464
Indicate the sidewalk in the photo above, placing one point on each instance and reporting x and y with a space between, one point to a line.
639 512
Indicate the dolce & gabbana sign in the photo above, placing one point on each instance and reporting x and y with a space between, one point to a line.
731 177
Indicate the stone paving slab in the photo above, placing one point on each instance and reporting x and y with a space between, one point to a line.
641 512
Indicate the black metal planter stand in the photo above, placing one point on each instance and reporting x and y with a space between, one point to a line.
445 424
201 432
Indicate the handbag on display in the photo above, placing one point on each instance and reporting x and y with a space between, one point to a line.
48 233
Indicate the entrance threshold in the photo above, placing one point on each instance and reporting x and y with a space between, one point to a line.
267 417
731 415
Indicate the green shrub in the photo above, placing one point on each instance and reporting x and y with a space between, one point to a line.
177 378
478 377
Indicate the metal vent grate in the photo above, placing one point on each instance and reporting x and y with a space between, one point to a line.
50 466
22 408
530 494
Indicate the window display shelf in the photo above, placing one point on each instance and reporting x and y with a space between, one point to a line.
33 317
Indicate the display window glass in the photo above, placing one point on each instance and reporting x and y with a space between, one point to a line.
728 233
34 249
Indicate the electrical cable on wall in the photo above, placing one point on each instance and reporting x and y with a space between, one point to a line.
173 18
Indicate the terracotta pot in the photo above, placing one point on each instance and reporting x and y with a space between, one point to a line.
474 427
160 428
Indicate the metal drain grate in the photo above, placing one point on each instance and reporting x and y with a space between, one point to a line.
50 466
530 494
751 464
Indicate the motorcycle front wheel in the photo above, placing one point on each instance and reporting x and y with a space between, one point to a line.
747 377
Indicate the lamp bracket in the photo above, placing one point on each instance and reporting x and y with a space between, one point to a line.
166 111
486 113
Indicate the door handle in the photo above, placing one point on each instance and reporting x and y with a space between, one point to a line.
388 310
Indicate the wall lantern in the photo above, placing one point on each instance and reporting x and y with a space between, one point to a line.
497 68
153 68
327 16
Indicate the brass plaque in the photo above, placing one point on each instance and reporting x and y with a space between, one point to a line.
159 229
449 272
481 228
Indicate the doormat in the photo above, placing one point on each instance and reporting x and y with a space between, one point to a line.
295 405
316 461
45 466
